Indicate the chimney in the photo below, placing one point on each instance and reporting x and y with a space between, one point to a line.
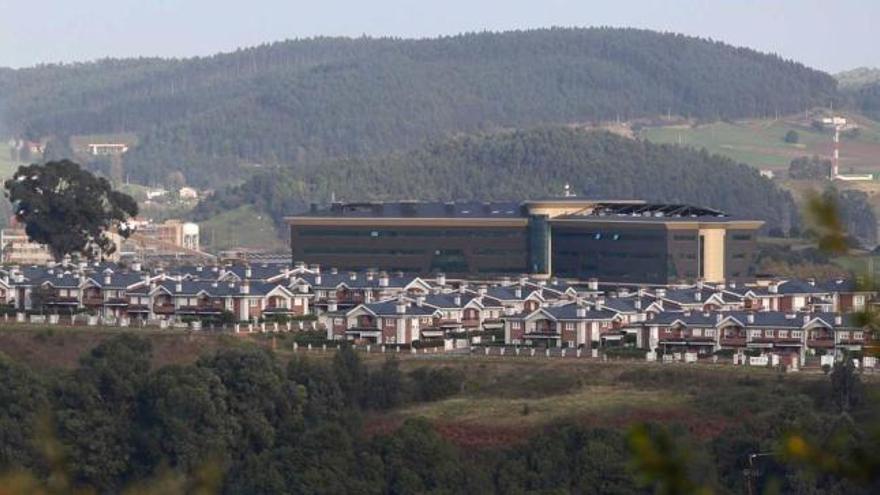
331 305
199 268
383 279
773 287
370 275
441 279
838 320
750 318
400 307
812 282
352 276
334 271
700 284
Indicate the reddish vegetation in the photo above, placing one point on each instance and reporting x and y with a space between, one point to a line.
478 436
702 427
482 436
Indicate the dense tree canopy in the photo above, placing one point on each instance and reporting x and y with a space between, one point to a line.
298 102
240 422
522 165
69 209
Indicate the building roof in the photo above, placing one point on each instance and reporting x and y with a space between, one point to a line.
420 209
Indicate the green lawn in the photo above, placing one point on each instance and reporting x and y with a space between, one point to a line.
760 142
241 227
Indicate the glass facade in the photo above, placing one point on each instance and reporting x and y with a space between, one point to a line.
539 244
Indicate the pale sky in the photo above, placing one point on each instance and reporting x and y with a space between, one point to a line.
831 35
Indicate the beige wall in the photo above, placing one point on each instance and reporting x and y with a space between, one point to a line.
713 253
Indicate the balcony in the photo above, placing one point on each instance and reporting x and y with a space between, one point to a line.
93 300
820 343
164 309
63 301
739 341
471 323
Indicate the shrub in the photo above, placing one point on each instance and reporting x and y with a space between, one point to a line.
626 353
431 384
724 353
791 137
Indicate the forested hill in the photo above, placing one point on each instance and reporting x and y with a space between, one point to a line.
296 102
521 165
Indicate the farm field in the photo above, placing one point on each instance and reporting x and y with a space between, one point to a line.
241 227
760 142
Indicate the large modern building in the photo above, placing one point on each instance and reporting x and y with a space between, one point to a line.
616 241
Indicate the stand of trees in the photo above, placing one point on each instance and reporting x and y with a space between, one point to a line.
522 164
242 422
301 102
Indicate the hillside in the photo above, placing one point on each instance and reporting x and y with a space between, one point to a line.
215 413
293 103
857 78
519 165
760 142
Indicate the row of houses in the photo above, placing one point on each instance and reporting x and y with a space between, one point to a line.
795 316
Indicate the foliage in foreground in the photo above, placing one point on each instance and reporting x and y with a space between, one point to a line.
241 422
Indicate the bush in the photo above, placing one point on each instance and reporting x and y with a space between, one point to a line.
791 137
626 353
724 353
431 384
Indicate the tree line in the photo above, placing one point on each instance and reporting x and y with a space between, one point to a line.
517 165
241 421
299 102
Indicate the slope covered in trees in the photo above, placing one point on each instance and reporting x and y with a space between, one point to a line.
298 102
522 164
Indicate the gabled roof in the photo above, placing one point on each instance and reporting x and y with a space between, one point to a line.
447 301
389 308
508 293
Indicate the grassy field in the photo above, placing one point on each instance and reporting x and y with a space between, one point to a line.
244 227
760 142
500 401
